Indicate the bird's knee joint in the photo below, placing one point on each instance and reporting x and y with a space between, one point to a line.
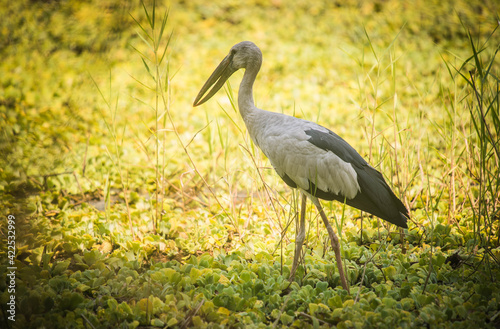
301 236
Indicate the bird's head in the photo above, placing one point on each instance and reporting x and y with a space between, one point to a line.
241 55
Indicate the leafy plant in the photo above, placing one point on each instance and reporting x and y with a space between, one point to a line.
153 37
484 147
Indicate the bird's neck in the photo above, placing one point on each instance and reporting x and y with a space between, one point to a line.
245 94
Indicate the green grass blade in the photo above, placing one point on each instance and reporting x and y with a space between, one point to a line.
151 22
147 68
143 84
370 43
140 53
162 29
167 46
230 118
142 28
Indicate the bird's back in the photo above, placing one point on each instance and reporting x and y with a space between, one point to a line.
313 158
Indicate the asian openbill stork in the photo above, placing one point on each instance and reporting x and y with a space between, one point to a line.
306 155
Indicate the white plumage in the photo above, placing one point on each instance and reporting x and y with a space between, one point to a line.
283 140
306 155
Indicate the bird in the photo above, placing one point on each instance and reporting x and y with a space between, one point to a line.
306 155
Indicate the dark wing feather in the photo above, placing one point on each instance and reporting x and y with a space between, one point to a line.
330 141
375 197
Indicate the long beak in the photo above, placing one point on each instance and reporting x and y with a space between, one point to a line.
218 77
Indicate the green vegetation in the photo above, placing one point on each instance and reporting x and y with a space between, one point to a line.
131 209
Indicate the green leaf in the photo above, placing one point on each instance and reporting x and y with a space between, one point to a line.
70 301
312 308
246 276
335 302
172 322
390 272
407 304
322 286
60 268
112 304
389 302
194 274
286 319
125 309
82 287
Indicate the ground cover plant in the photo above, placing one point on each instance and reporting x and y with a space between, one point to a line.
130 209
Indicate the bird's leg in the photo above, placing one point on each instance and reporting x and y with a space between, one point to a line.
300 235
335 244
